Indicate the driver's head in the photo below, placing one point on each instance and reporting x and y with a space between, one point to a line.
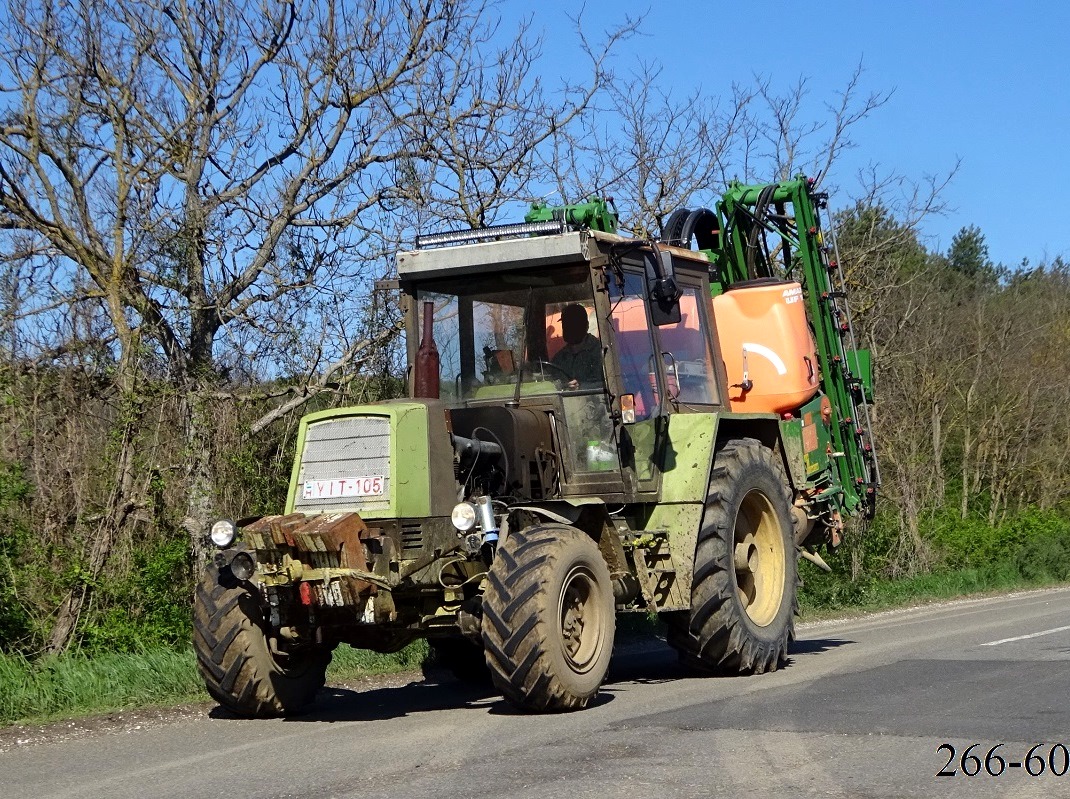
573 323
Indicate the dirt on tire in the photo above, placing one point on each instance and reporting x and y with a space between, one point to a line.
548 618
235 658
744 595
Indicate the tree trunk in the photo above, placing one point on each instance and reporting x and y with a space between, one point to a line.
200 474
121 504
967 444
938 450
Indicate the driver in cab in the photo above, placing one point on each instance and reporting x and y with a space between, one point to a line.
581 356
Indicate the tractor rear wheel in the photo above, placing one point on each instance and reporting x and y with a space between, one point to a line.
743 595
548 618
242 670
464 659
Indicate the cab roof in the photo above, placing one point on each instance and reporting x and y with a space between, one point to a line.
519 253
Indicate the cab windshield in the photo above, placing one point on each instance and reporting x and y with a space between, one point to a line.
537 327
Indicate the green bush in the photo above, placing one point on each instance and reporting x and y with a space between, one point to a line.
1035 542
1028 549
262 469
15 623
963 543
149 606
1039 543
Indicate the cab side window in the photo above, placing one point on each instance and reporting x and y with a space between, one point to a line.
635 343
686 351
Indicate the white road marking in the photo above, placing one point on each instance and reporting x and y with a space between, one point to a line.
1023 637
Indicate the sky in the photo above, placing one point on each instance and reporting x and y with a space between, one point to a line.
982 84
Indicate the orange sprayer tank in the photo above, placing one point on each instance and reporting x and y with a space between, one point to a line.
763 331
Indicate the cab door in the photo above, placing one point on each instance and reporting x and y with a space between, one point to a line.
639 382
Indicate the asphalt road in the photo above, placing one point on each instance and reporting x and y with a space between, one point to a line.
862 710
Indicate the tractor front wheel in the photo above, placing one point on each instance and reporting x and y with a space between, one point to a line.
548 618
242 668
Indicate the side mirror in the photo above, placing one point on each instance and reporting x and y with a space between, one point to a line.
663 293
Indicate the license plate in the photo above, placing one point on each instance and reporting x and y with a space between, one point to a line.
343 487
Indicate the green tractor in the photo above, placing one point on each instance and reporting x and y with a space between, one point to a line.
597 424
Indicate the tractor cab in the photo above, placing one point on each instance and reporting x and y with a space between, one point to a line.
601 337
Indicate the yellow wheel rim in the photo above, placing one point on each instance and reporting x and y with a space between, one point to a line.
759 557
582 619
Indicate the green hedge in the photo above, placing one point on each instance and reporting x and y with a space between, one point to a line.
970 556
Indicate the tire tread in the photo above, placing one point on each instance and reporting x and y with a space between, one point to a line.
233 658
515 623
714 635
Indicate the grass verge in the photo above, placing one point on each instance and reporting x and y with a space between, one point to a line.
827 596
74 684
349 663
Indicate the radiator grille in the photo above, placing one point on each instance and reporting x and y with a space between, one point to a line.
350 447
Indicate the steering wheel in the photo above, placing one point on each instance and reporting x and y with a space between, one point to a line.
539 367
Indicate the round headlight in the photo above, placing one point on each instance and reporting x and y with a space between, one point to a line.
222 533
464 516
242 566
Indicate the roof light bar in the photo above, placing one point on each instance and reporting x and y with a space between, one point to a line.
489 233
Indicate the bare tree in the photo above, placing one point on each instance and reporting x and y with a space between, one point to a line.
654 149
204 172
794 140
491 144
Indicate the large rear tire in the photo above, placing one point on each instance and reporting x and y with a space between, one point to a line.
235 657
548 618
464 659
744 591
